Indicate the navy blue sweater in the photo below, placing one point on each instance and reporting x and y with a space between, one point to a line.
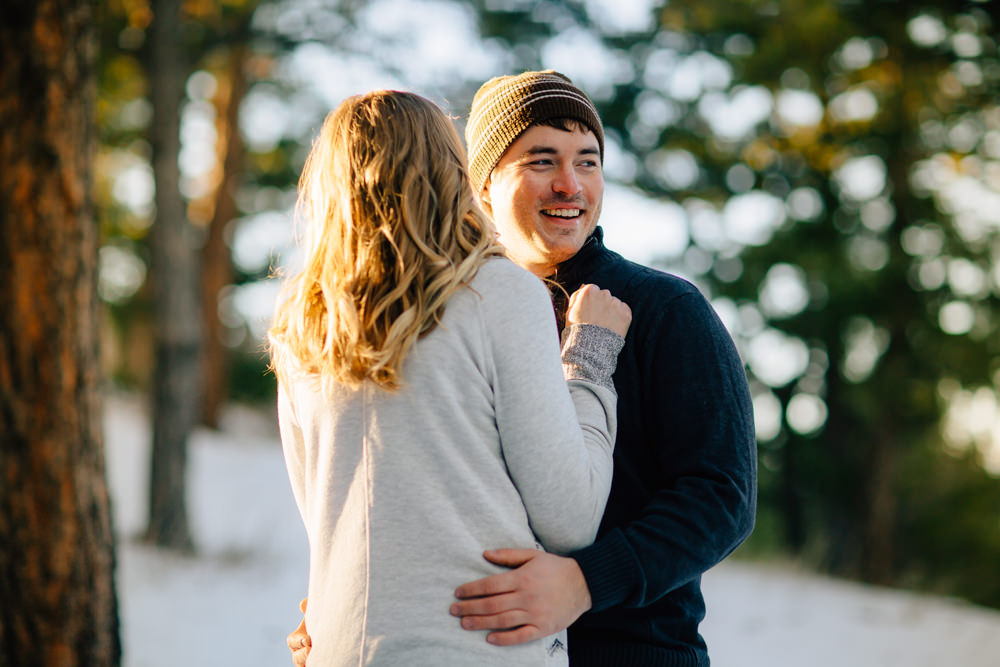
683 494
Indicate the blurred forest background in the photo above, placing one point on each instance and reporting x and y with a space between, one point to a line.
826 171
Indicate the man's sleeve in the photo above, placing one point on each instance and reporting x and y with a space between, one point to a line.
698 420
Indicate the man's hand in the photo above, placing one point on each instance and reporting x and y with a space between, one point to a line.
299 642
540 597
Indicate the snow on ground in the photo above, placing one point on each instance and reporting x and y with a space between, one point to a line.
232 604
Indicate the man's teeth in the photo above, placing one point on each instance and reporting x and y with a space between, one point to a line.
563 212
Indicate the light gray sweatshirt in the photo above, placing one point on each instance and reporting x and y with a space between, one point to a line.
482 447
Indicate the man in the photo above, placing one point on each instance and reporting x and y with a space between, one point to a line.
684 488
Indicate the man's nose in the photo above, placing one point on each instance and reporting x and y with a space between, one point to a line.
566 181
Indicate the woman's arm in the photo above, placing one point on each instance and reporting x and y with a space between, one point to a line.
557 440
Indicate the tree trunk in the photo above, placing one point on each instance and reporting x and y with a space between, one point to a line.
175 276
792 503
57 593
790 484
216 258
879 526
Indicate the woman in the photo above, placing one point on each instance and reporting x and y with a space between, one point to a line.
423 410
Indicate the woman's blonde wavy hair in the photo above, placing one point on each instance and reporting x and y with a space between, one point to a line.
392 231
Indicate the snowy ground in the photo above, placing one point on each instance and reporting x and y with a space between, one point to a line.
233 604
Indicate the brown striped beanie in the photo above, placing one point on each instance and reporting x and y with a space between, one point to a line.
506 106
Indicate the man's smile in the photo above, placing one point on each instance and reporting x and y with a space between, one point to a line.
566 213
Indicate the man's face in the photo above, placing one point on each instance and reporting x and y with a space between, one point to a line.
545 195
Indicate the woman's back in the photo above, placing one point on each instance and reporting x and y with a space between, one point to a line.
401 491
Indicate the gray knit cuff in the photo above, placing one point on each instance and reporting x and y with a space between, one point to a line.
590 352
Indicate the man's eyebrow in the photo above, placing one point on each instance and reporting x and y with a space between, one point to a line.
540 150
549 150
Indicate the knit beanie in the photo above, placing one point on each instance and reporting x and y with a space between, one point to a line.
506 106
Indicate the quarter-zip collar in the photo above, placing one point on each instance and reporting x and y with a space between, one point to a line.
570 273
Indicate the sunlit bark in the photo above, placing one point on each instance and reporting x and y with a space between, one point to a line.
57 594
